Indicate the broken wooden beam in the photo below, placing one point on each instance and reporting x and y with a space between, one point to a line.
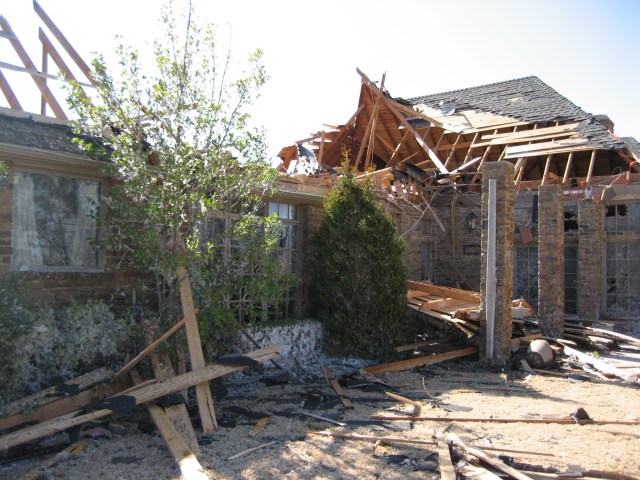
419 361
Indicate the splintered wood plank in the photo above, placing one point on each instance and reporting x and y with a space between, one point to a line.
203 391
342 395
420 361
177 445
144 394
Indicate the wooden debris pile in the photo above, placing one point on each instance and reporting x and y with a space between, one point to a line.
103 393
460 309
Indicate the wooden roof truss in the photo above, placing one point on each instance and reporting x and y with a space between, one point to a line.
40 77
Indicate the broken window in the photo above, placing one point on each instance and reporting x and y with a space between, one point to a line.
53 224
622 288
570 218
622 218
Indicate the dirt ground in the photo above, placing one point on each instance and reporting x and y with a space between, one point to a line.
134 451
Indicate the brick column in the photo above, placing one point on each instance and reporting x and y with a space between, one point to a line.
590 258
505 195
551 260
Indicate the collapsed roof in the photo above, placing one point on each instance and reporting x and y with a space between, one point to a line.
443 140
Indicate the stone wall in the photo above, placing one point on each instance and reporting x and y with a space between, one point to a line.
502 172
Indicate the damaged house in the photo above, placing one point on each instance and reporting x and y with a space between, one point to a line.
508 198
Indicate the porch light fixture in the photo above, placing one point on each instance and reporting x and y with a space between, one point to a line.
472 221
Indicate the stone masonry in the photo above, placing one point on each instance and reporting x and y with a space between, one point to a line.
591 238
503 173
551 260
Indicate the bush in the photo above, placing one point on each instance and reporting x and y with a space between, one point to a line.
358 281
41 346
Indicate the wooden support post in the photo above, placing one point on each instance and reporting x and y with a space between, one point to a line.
203 391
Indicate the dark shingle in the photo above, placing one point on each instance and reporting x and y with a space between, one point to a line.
527 99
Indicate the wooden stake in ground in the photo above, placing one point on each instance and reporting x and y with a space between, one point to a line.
203 391
447 472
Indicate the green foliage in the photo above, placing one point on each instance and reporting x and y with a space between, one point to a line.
182 152
41 346
358 280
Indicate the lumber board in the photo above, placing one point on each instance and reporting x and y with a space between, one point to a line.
342 395
420 361
371 438
568 421
447 472
142 395
52 394
203 391
150 348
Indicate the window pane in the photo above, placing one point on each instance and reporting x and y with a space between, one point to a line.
52 222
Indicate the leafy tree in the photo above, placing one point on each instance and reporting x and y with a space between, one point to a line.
181 151
358 284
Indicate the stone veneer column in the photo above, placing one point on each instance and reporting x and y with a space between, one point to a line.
551 260
503 173
590 258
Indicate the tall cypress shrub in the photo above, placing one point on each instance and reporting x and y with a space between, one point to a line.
358 281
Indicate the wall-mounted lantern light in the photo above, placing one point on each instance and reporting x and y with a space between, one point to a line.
472 221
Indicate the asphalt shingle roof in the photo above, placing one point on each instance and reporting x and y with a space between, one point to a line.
527 99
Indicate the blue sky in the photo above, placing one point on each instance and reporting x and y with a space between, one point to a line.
587 50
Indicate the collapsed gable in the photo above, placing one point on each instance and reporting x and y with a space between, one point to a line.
432 142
